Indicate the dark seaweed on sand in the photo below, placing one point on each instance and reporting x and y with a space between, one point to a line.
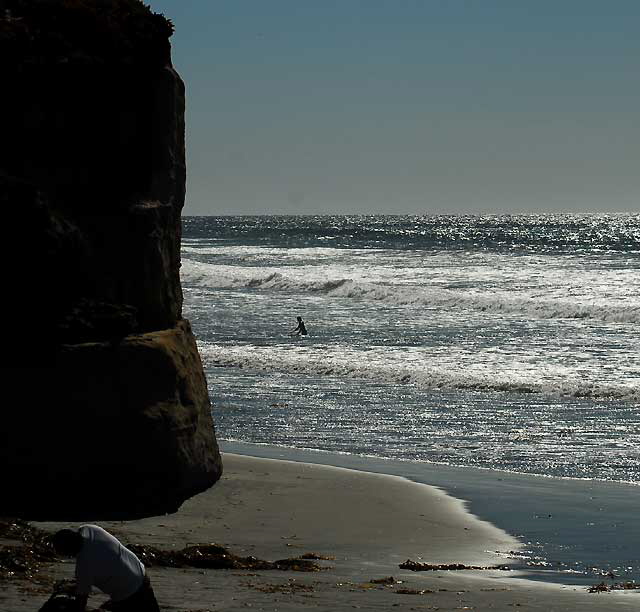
26 558
212 556
603 587
416 566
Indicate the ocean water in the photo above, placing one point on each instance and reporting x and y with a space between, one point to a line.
501 342
498 342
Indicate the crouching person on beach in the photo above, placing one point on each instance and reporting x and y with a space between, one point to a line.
102 561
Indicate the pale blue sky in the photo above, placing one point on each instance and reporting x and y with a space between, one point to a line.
409 106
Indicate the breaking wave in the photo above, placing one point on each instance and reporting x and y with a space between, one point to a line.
443 378
233 277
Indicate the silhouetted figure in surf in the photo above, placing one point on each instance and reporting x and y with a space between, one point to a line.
301 330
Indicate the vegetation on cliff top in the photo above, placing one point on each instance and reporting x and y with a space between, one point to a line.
83 33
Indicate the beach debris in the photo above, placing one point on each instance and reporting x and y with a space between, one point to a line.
364 586
205 556
26 558
603 587
413 591
317 557
298 565
416 566
213 556
290 587
386 580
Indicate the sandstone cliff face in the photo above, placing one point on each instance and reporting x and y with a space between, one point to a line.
106 410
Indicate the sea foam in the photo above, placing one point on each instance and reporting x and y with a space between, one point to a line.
500 302
506 376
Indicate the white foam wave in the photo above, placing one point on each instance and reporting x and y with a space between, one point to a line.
260 252
298 280
443 377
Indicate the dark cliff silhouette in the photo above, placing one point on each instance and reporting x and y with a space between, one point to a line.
107 411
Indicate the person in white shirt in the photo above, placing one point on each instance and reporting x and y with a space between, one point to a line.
102 561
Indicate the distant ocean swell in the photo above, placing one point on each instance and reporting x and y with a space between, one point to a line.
555 234
353 366
235 277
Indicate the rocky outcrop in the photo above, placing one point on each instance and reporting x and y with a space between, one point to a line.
106 411
128 435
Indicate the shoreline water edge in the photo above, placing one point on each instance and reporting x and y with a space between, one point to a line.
359 526
572 531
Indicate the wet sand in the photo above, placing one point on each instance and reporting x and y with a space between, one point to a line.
366 523
581 529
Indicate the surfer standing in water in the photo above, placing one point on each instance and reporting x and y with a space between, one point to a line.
300 330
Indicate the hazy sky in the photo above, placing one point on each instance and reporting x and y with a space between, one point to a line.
409 106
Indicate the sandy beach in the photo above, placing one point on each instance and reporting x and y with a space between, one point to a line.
364 524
